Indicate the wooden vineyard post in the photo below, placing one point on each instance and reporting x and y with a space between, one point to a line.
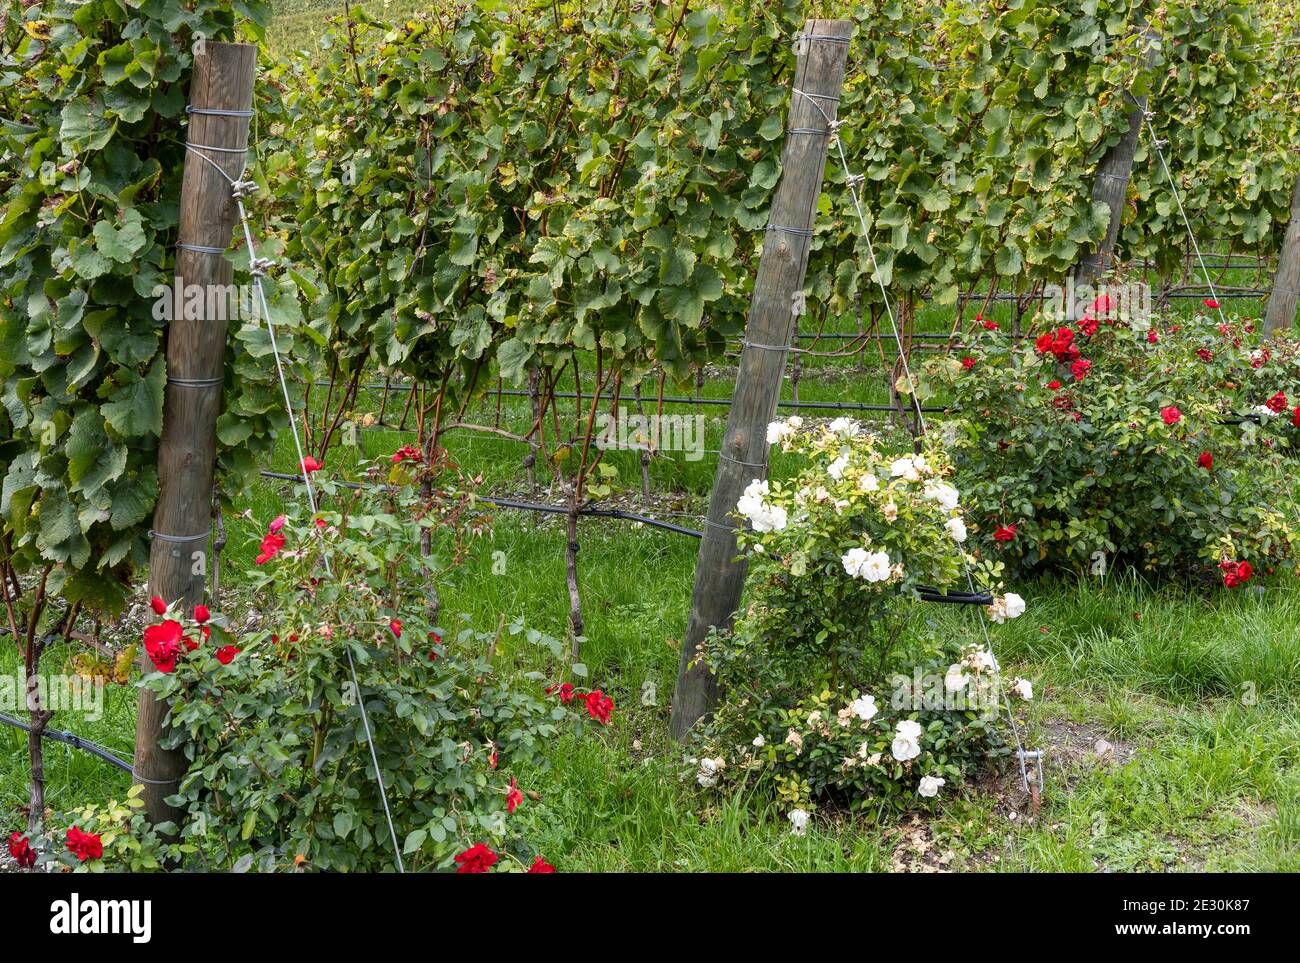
1110 187
719 575
1286 281
221 98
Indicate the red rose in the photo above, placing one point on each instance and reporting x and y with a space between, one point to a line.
1295 416
1005 533
514 797
477 859
162 643
565 689
201 614
226 654
271 545
1171 415
20 848
1205 354
968 363
84 845
1152 337
1277 403
1054 385
310 464
1088 326
1236 573
1080 369
492 759
1206 461
541 866
158 605
599 706
988 325
406 453
1211 304
395 626
277 523
1100 306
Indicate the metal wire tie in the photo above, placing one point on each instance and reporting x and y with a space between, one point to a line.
217 111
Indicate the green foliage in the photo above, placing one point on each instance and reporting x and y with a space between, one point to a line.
1090 472
93 97
280 772
130 843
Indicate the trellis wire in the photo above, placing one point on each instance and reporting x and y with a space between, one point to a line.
851 183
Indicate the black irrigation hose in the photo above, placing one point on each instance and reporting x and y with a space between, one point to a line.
533 507
927 593
71 739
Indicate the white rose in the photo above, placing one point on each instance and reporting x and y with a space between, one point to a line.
772 518
798 822
905 469
943 493
853 560
956 529
836 468
1022 689
864 707
759 742
875 568
1006 607
955 680
795 740
868 483
776 432
930 786
907 729
795 422
845 427
905 749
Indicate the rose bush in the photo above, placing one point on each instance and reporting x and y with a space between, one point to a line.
830 687
281 774
1156 443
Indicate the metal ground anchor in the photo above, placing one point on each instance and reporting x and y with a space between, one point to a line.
1032 758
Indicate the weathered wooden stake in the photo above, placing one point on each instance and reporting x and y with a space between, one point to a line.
1286 282
719 575
196 348
1110 187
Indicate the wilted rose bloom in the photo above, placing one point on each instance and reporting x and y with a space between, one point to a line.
795 741
1022 689
710 772
930 786
1007 607
798 822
